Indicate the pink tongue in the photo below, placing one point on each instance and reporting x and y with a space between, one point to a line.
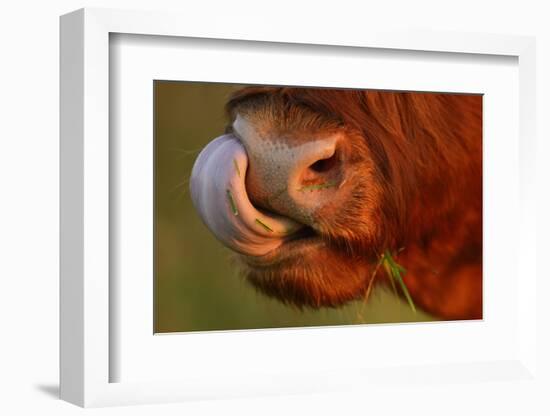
219 195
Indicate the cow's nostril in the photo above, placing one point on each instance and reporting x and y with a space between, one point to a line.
324 165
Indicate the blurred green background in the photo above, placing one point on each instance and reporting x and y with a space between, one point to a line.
196 287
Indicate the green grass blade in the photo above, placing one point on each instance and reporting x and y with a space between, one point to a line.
237 167
403 286
394 271
317 186
265 226
387 268
232 203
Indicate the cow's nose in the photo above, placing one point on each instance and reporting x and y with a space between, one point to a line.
293 178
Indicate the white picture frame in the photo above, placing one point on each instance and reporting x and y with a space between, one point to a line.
86 293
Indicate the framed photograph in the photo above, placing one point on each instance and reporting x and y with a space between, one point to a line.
302 218
281 213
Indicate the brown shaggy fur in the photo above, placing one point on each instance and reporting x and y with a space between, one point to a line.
416 164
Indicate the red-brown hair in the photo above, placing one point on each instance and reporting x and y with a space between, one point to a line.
427 150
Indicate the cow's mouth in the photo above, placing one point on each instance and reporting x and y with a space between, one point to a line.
293 247
219 194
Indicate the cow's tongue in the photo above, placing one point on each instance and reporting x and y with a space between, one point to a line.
219 195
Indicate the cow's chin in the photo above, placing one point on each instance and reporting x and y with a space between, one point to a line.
308 272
